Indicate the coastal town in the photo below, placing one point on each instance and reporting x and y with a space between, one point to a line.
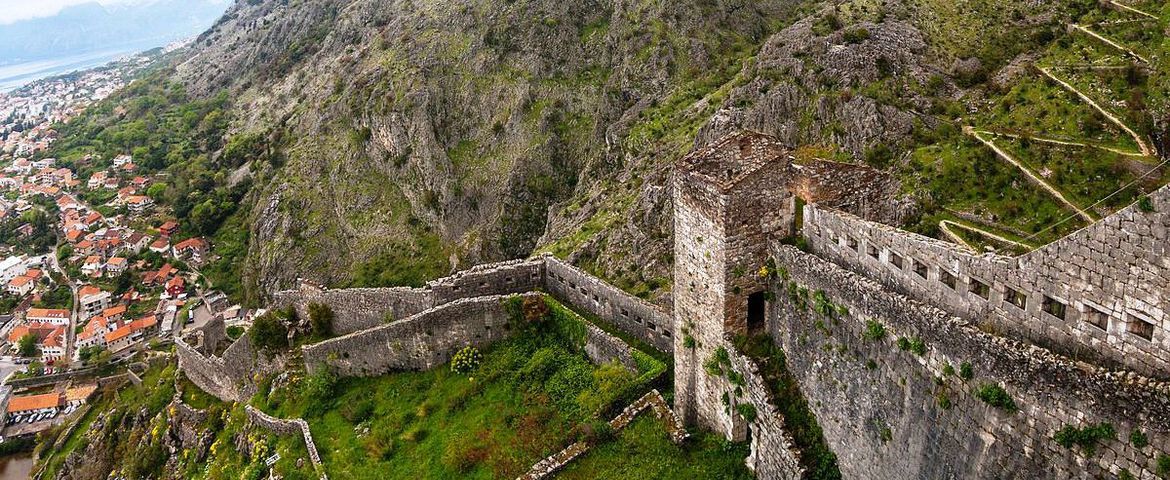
93 271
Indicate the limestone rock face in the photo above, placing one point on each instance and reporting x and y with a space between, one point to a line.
435 135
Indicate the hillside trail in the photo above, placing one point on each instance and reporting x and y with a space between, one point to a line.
1039 181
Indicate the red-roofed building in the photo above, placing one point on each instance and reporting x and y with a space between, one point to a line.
53 316
93 300
168 228
21 286
130 333
192 249
115 266
176 287
35 403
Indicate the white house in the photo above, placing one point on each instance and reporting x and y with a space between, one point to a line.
11 268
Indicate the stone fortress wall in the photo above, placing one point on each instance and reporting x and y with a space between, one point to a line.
432 323
888 419
1101 292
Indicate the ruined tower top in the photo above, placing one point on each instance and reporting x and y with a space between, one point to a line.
732 159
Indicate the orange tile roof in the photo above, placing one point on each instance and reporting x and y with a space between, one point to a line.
34 402
88 290
19 282
129 328
47 313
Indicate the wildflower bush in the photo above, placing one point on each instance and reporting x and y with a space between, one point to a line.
466 360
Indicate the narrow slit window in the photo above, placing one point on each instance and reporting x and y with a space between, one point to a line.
1054 307
920 269
1096 318
1140 327
1015 298
946 278
979 289
896 260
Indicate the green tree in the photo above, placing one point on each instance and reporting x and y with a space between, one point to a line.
321 319
27 345
268 332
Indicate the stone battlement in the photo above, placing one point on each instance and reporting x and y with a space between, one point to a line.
1101 293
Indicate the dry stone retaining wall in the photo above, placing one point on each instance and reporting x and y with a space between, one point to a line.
886 419
295 426
1103 292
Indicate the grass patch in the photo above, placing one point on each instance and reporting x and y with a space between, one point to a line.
528 398
642 450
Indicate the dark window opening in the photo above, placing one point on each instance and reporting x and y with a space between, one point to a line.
920 268
896 260
1014 297
872 251
1053 307
1140 327
979 289
946 278
756 309
851 243
1096 318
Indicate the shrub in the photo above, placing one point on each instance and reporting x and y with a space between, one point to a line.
357 412
466 360
612 380
874 331
268 332
948 370
317 390
965 371
379 444
917 346
1146 205
1163 467
944 400
321 319
997 397
747 411
856 35
689 342
594 432
903 343
28 345
1138 439
1085 437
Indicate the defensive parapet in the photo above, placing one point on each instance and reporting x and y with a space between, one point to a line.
1102 293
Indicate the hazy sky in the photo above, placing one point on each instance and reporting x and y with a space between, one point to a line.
17 10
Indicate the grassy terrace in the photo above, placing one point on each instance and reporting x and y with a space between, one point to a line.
642 451
530 396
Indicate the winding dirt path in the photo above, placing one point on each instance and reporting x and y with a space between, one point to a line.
1054 141
1030 174
1145 147
1132 9
946 224
1111 43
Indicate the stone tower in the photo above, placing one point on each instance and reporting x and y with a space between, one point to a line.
730 197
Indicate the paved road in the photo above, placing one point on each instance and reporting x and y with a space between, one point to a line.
7 368
74 317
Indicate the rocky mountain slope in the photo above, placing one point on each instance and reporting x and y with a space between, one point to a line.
394 141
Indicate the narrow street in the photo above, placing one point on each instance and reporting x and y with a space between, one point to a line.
74 316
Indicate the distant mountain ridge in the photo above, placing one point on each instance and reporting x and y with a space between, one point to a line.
92 27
